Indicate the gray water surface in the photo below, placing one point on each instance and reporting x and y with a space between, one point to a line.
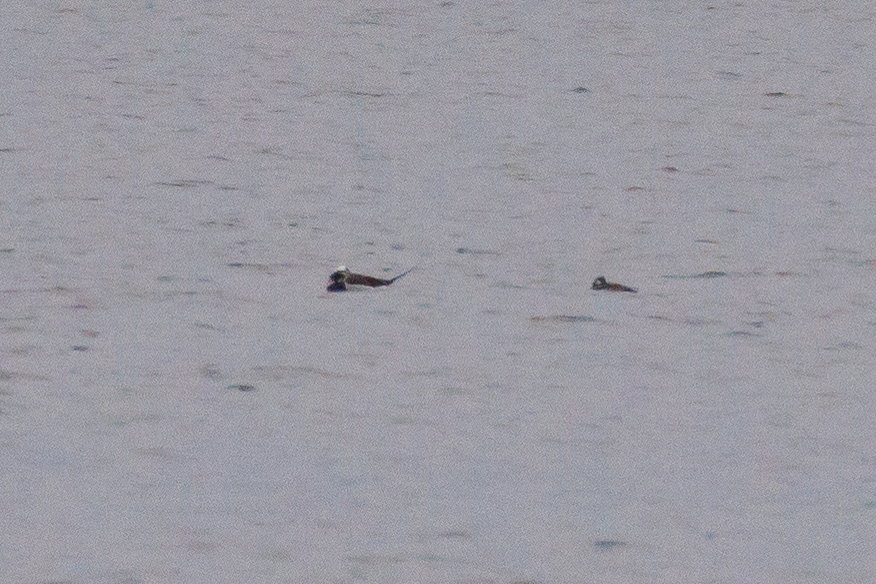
181 401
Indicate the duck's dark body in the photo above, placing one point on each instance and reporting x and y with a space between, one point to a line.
342 277
600 284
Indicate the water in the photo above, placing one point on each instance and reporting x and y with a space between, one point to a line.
180 400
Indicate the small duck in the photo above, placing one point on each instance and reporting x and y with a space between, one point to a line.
342 277
600 284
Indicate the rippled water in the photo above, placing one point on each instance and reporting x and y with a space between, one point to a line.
181 401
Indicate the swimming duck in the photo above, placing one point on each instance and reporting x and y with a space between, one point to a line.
341 277
600 284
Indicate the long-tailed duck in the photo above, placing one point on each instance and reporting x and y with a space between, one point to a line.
600 284
342 277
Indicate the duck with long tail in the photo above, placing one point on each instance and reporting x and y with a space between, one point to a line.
342 277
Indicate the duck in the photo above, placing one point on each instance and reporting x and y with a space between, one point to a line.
342 277
600 284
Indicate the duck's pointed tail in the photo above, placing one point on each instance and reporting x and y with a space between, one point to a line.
402 274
